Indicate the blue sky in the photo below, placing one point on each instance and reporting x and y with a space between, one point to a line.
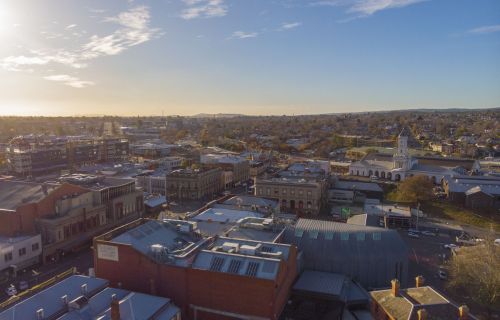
184 57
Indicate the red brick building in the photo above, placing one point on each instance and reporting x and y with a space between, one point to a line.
208 278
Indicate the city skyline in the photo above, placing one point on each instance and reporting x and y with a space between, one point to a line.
186 57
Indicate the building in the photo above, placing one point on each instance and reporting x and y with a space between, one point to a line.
236 168
418 303
154 149
36 155
17 253
295 195
197 184
40 155
86 298
354 191
475 192
208 278
393 216
371 256
69 214
401 165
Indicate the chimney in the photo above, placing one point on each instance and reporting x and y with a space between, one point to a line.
83 289
422 314
395 287
39 314
463 312
115 308
419 281
64 299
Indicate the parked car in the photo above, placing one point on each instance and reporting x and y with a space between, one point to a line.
443 275
450 246
497 242
11 290
413 235
23 285
428 233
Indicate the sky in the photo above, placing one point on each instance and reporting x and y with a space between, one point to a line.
184 57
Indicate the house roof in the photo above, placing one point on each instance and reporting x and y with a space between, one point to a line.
357 185
15 193
409 301
94 304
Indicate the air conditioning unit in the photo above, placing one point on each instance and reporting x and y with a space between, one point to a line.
230 247
249 250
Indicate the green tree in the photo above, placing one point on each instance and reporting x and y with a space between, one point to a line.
415 189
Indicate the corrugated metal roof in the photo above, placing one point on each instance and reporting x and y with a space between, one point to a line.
317 282
372 258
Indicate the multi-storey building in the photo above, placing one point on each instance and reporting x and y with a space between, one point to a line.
296 195
208 278
194 184
34 155
237 168
39 155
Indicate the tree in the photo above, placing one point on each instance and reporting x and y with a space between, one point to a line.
415 188
474 271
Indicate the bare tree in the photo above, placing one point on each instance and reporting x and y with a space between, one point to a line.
475 271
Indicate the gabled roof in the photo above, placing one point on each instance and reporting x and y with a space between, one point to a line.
16 193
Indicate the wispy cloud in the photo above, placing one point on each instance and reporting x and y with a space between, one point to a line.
364 8
290 25
69 80
71 26
243 35
485 29
134 30
203 9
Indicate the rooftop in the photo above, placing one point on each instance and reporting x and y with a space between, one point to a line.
357 185
165 241
88 299
15 193
95 182
224 215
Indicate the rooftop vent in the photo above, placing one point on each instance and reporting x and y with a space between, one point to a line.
39 314
84 289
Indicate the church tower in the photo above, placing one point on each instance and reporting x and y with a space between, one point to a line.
401 157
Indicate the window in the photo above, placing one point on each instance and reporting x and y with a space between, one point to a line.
22 252
35 247
301 192
329 235
344 236
313 234
377 236
299 233
308 193
283 191
360 236
8 256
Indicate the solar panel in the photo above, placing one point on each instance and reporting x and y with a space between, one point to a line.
268 267
216 264
266 249
234 266
252 269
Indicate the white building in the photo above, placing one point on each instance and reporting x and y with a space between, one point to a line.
19 252
401 165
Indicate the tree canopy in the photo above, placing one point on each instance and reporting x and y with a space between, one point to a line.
416 188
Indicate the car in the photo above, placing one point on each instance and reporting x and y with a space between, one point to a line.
23 285
11 290
443 275
428 233
497 242
450 246
413 235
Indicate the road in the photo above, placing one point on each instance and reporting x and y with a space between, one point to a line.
82 260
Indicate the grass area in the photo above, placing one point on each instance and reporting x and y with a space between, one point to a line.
449 211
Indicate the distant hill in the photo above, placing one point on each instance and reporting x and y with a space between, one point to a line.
216 115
